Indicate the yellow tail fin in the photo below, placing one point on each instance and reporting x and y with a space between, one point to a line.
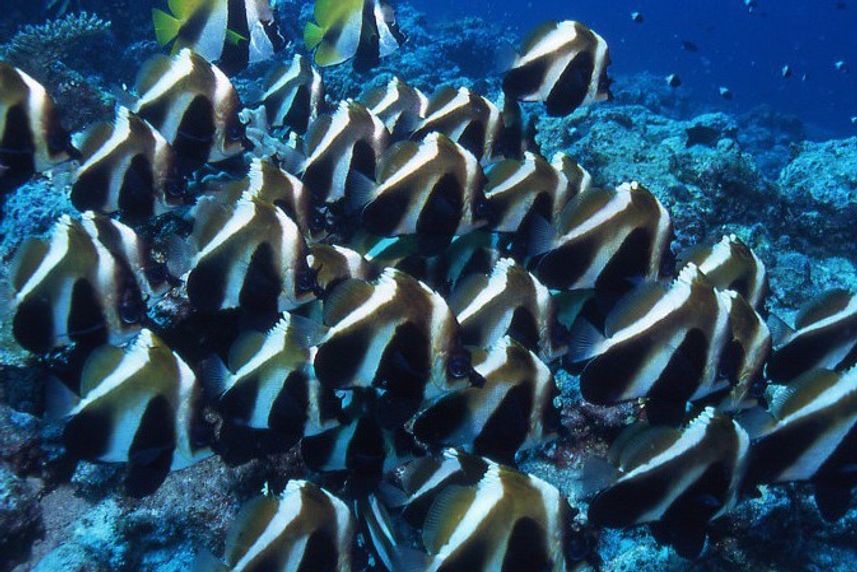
313 35
166 27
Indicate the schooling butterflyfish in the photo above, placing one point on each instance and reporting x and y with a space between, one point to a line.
466 117
85 283
362 30
514 411
809 433
731 265
516 190
563 64
32 139
661 342
141 405
127 167
364 444
266 381
400 106
294 95
306 529
510 301
269 183
233 33
606 239
824 336
431 189
342 151
193 105
746 352
335 264
394 333
482 516
249 255
677 481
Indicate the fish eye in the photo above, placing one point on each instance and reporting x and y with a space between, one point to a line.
235 131
175 188
131 309
459 365
156 272
318 221
308 281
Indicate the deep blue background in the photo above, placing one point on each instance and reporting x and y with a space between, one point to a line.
744 51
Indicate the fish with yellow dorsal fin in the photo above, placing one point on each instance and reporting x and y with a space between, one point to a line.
363 30
232 32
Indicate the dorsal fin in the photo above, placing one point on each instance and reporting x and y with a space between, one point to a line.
696 254
244 348
501 172
95 138
824 306
395 158
537 35
373 96
100 363
28 258
151 72
445 515
633 306
441 98
582 207
466 291
646 444
211 216
251 521
345 298
791 398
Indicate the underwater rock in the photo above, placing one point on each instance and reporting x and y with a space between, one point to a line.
20 518
819 188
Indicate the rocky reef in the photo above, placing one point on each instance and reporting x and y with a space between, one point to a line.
792 201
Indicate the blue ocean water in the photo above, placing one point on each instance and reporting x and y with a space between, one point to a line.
740 49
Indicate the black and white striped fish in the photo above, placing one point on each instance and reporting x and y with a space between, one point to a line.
511 301
432 189
305 529
85 283
514 411
606 239
477 515
270 183
342 151
335 264
731 265
661 342
466 117
233 33
267 384
294 95
400 106
824 336
809 433
393 333
676 480
518 189
140 405
32 139
362 30
563 64
193 105
127 167
249 255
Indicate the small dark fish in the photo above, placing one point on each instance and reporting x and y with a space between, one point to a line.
637 17
726 93
307 527
842 66
689 46
673 80
786 72
677 481
564 65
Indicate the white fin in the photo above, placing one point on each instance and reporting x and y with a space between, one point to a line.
585 341
756 422
598 474
780 331
59 399
361 191
205 561
542 236
214 376
179 256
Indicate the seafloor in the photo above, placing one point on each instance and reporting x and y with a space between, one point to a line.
755 175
